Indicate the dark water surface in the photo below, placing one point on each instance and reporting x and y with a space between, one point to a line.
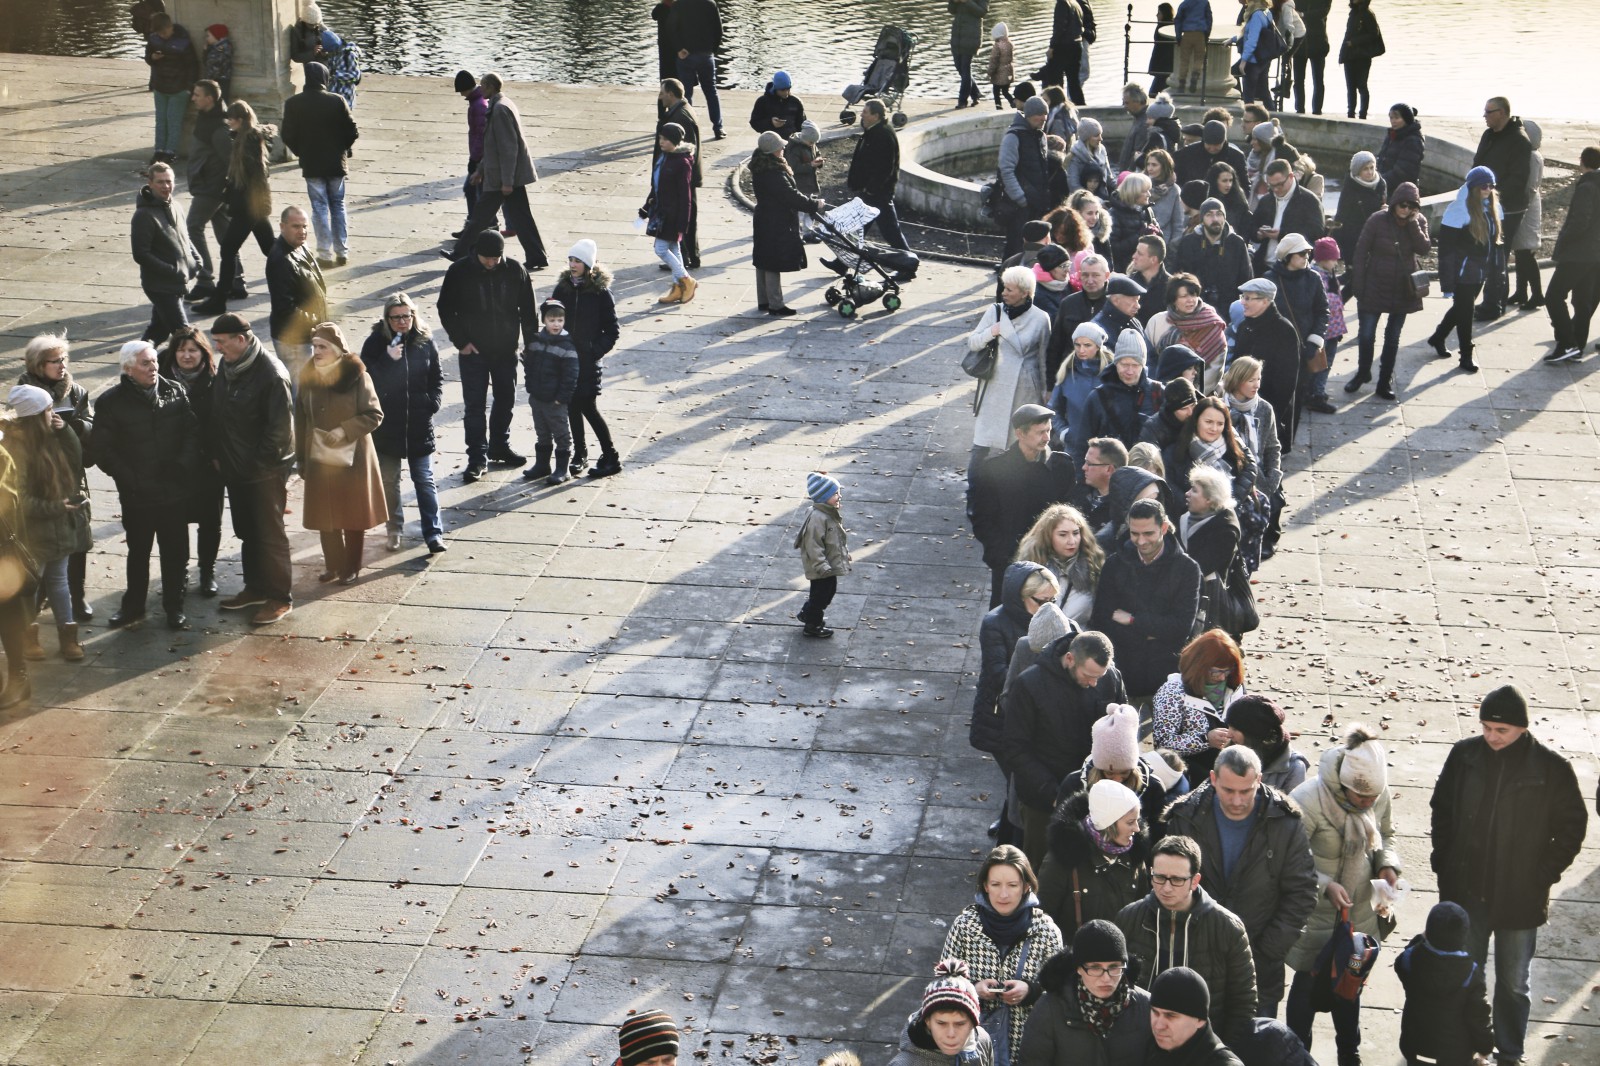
1444 55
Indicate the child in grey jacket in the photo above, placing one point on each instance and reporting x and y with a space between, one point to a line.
824 550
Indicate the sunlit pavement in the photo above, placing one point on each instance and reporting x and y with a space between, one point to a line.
479 806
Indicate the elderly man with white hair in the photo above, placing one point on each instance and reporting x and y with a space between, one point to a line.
148 440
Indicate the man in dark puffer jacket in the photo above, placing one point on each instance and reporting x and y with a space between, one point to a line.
1147 599
148 440
161 247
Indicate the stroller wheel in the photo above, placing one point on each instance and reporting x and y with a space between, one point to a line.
833 295
891 302
847 309
847 117
899 120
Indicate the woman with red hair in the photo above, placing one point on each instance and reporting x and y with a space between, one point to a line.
1188 708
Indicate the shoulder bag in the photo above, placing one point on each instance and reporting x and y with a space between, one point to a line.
327 453
980 364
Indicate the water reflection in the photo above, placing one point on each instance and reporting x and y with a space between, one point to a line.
1438 58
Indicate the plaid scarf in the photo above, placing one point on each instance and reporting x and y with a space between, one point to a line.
1201 329
1100 1015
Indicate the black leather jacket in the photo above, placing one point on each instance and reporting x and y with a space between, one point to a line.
252 431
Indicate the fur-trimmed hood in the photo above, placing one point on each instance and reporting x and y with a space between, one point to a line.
1070 841
596 279
1059 975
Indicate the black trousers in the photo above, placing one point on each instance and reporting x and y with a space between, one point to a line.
584 407
1318 65
172 533
230 272
1065 65
1355 85
167 313
1459 317
1582 282
264 544
689 247
208 526
478 373
822 593
204 209
13 630
518 212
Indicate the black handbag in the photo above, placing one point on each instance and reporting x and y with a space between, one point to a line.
1233 601
980 364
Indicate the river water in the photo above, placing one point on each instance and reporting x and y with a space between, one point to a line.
1444 56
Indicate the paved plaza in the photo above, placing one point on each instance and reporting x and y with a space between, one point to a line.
478 806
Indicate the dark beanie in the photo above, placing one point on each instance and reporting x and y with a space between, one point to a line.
1181 991
1255 716
490 243
316 76
645 1036
1214 132
1448 927
1098 941
1179 394
465 82
1406 112
1052 256
1194 193
673 132
1036 230
1504 705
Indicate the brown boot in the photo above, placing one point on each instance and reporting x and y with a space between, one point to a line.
688 285
71 650
33 649
673 295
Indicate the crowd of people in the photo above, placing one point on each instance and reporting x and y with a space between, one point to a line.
1164 853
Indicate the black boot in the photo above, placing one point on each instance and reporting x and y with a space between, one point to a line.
610 464
1467 365
215 304
580 462
559 474
1360 378
1436 342
208 581
541 463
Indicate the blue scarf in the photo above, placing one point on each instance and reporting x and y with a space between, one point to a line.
1006 929
1459 214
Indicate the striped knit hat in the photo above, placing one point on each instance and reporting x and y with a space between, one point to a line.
821 487
950 989
644 1036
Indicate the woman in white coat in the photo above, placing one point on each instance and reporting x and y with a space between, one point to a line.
1018 375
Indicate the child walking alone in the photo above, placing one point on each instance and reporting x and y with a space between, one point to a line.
1446 1016
824 550
550 372
1002 65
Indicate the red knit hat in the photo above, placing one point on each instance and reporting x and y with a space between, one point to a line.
217 30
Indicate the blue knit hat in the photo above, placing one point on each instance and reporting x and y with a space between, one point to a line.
1480 176
820 487
781 80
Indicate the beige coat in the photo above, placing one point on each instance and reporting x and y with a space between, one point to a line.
339 497
822 543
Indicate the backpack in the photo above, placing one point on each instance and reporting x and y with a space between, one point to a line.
1270 44
345 68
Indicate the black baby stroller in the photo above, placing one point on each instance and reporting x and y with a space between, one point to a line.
856 258
886 78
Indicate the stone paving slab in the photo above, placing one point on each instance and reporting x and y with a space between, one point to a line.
479 805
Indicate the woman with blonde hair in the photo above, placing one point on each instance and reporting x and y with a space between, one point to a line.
54 498
1146 455
403 363
1131 218
1095 217
249 202
1471 249
1062 542
335 412
45 362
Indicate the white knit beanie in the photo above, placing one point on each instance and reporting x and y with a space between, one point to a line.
1048 626
1363 770
1108 801
1116 739
585 252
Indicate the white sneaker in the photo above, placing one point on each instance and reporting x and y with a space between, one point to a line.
394 542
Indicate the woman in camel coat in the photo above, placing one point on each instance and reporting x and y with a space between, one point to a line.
337 408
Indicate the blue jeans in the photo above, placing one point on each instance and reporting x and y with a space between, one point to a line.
1367 324
888 221
670 255
1513 962
327 215
1319 380
701 69
53 578
170 108
421 467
